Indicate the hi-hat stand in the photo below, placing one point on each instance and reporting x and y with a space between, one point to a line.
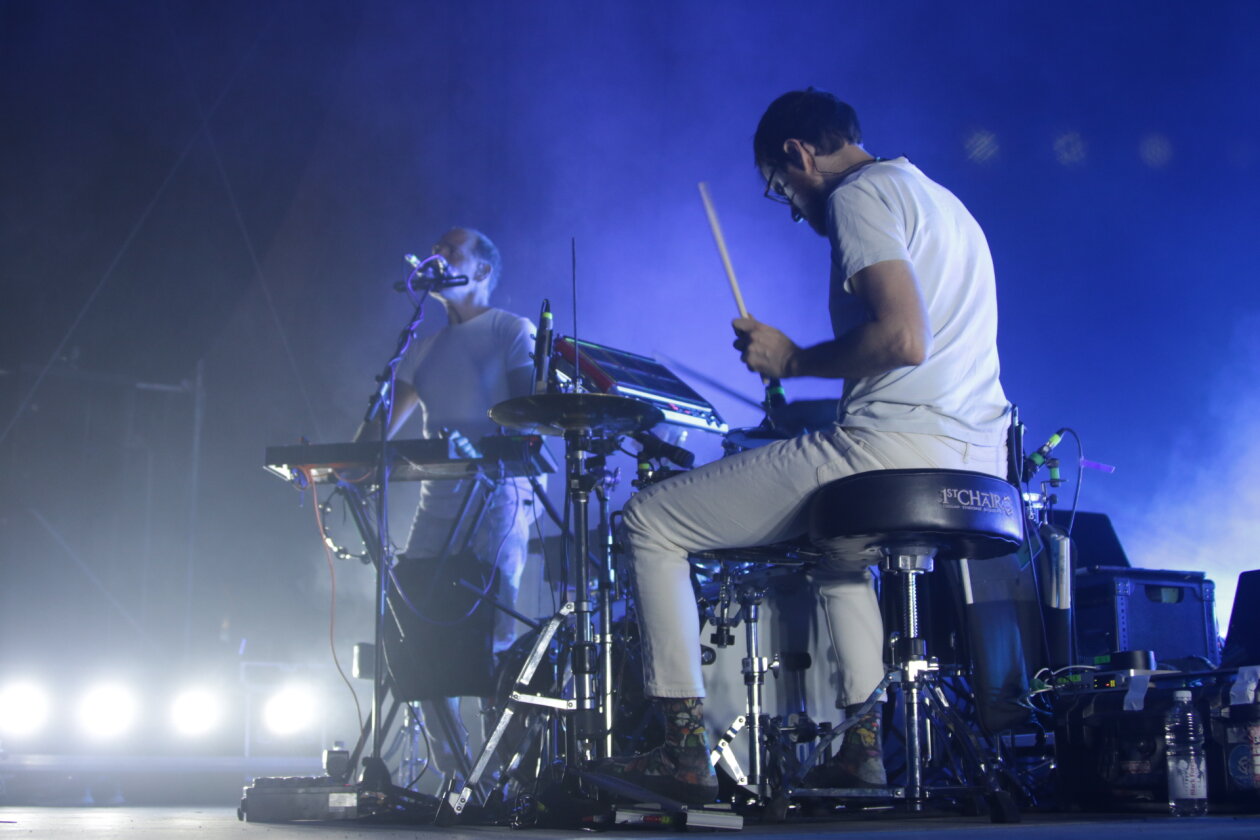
590 425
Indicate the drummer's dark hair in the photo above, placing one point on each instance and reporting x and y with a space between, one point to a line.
812 116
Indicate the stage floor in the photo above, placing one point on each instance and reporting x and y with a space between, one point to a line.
161 823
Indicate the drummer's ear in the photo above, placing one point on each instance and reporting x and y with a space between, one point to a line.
797 152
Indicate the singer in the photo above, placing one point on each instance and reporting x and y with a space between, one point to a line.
914 316
450 379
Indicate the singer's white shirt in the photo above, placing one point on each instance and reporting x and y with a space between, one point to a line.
462 370
889 210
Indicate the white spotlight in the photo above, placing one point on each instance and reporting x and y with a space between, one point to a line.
981 145
196 712
1070 149
107 710
23 709
290 710
1155 150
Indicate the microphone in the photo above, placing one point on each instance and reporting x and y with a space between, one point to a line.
1035 461
434 271
654 447
542 349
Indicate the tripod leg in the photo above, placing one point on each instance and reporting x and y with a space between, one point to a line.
375 775
445 712
458 800
977 754
723 756
872 700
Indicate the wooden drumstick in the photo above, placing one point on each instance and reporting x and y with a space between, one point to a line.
716 227
774 390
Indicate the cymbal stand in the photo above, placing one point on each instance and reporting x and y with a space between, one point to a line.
455 801
591 424
592 655
607 703
590 732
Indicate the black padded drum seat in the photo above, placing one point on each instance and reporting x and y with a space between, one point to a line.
950 513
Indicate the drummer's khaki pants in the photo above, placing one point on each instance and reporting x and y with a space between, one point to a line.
758 497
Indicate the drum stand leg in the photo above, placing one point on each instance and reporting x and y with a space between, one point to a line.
607 702
754 668
910 668
924 701
585 741
457 801
590 710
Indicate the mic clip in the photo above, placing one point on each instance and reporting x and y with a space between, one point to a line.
1036 460
429 275
654 447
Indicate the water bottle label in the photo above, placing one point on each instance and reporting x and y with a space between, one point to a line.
1244 771
1187 777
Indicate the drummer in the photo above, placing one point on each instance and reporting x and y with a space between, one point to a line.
914 315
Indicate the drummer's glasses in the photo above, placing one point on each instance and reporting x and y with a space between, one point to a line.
777 192
774 188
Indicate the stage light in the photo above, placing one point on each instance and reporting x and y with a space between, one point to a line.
981 145
1070 149
24 709
196 712
290 710
107 710
1155 150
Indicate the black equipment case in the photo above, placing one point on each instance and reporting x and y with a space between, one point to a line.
1170 613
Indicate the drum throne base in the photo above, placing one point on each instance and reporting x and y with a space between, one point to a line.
906 520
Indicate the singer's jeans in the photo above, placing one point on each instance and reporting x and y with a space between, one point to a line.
502 540
759 497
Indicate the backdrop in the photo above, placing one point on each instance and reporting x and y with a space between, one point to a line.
205 206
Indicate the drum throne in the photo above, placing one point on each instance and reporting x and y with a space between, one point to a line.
906 520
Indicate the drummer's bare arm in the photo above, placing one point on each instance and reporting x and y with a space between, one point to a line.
897 335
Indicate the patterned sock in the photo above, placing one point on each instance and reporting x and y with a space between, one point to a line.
684 756
861 751
679 768
685 734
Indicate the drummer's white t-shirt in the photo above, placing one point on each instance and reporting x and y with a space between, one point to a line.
889 210
462 370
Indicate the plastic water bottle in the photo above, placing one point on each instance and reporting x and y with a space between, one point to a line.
1187 765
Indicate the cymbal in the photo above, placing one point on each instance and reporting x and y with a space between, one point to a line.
555 414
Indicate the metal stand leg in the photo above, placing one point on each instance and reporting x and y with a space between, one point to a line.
913 663
458 800
924 701
584 653
754 667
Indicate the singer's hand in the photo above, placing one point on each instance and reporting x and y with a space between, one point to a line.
764 349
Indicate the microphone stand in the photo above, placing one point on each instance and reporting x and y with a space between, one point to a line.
381 407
